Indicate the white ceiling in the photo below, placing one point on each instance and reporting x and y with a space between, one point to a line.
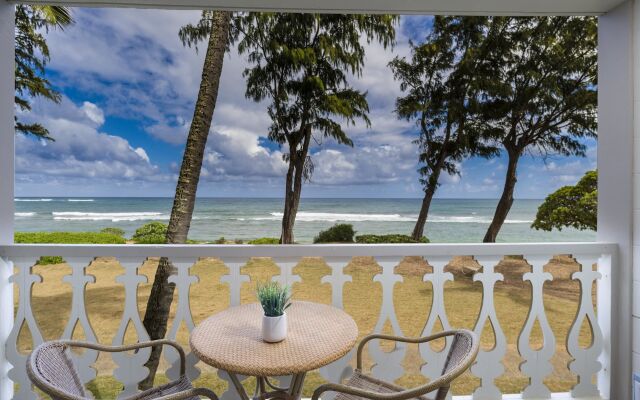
457 7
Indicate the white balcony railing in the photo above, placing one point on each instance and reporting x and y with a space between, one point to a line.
391 303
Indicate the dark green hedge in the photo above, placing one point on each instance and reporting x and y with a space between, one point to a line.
393 238
339 233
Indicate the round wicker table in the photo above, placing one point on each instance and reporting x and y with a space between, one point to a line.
231 340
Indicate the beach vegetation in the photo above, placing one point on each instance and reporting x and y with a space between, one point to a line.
539 95
339 233
300 64
391 238
439 94
31 58
113 231
571 206
65 238
265 240
151 233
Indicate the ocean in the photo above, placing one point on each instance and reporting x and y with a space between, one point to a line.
450 220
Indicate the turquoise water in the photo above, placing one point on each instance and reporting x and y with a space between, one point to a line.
450 220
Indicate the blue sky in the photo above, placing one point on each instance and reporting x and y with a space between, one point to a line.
129 86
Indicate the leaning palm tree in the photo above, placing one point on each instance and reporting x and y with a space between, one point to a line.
214 26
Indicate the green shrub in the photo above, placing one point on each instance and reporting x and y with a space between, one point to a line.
113 231
50 260
264 240
151 233
339 233
220 240
65 238
392 238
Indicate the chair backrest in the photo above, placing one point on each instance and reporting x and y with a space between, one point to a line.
462 353
51 368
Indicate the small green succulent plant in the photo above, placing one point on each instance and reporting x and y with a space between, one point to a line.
274 298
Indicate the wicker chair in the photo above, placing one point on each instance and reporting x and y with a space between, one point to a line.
52 370
462 353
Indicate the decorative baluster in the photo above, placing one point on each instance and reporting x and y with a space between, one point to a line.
235 279
286 276
25 279
387 365
436 359
585 364
183 282
488 365
536 363
340 369
78 281
131 369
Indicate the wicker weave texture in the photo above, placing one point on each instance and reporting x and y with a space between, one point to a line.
52 364
366 382
232 341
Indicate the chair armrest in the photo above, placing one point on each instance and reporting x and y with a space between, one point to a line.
423 339
190 393
134 346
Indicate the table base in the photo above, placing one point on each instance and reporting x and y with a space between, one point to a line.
266 390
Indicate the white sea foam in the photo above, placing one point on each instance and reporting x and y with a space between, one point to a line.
34 199
114 217
452 219
25 214
80 200
335 217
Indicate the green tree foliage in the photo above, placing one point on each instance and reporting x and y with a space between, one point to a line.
151 233
339 233
300 64
440 96
31 58
537 92
571 206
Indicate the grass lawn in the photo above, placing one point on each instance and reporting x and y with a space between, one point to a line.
412 297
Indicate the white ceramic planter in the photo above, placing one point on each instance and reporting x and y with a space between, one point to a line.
274 329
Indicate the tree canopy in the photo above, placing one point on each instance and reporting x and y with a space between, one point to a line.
300 63
31 58
571 206
439 96
537 92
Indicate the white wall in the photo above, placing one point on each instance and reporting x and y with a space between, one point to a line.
616 220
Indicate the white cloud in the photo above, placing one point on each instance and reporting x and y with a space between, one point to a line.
80 151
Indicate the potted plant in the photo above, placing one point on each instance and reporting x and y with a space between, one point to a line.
275 299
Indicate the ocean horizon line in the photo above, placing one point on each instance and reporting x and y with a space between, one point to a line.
43 198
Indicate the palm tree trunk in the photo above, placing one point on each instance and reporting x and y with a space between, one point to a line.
161 297
506 200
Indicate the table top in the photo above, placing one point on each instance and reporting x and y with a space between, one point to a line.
231 340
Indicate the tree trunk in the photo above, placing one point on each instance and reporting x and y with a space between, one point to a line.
293 191
506 200
161 297
418 230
